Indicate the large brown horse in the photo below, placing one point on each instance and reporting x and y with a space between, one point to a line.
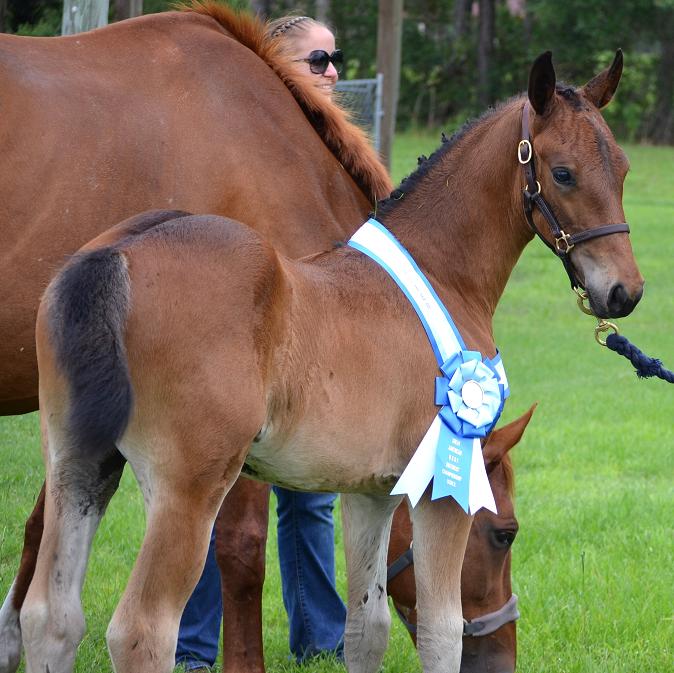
185 117
311 374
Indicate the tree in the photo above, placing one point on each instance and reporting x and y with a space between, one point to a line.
389 43
82 15
125 9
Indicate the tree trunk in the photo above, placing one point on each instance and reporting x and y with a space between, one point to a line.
262 8
322 10
125 9
484 51
461 17
660 130
83 15
389 42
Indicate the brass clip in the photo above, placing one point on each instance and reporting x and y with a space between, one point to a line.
582 298
604 326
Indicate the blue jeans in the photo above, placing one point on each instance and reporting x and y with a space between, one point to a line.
316 613
199 630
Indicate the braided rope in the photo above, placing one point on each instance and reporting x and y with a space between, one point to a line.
645 366
288 24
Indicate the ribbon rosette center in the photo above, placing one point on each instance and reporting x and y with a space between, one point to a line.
473 394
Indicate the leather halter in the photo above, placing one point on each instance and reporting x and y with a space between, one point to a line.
564 242
480 626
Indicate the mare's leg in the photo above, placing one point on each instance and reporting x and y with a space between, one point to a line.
441 530
10 628
240 543
366 522
79 486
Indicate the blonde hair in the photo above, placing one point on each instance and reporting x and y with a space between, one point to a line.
289 24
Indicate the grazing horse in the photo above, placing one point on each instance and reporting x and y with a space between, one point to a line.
489 606
311 374
141 131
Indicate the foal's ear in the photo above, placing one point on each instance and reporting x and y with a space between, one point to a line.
600 89
501 440
542 82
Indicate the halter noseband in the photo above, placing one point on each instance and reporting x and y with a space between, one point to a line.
480 626
532 197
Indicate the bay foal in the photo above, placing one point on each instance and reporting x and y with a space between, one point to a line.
312 374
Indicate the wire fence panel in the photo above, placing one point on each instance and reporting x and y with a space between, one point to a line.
362 97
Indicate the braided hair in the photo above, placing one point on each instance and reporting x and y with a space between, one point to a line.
285 23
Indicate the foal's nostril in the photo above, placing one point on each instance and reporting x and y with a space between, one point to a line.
619 303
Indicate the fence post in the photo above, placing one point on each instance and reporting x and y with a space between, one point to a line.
82 15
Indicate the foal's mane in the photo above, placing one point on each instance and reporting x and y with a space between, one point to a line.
427 164
344 139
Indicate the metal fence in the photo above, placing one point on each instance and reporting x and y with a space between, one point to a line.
363 98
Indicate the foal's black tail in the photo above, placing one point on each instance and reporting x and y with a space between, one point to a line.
88 307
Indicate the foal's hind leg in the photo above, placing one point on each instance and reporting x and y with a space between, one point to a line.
79 485
183 489
10 628
367 524
440 531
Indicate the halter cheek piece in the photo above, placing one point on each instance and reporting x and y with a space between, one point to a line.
564 242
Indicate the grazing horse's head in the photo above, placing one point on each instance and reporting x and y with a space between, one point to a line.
577 170
489 644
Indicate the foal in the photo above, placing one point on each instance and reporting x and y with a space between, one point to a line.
312 374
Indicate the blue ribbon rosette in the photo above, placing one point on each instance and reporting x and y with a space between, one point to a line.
471 393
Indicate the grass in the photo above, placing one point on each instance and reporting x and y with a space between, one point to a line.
593 562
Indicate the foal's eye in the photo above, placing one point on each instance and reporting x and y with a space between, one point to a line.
503 538
563 176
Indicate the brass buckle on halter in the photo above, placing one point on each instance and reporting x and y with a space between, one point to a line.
568 245
522 144
604 326
538 189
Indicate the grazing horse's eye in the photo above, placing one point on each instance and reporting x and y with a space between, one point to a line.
503 538
563 176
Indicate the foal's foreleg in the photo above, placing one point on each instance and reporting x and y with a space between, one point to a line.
440 533
367 523
10 628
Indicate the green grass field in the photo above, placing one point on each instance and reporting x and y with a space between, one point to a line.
594 560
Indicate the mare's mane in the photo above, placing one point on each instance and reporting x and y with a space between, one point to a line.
344 139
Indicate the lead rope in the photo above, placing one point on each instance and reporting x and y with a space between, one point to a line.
646 367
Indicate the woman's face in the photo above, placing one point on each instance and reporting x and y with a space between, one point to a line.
311 39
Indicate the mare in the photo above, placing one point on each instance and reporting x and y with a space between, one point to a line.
272 366
165 125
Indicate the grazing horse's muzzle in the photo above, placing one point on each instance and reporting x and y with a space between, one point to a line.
492 653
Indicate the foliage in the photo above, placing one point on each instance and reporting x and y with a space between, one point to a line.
439 64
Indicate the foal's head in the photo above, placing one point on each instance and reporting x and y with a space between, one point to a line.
580 170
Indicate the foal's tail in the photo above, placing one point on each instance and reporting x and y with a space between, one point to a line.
87 311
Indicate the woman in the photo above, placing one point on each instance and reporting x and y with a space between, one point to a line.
311 45
306 543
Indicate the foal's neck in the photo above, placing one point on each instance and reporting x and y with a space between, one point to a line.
462 220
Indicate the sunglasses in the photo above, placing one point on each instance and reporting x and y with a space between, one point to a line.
320 59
